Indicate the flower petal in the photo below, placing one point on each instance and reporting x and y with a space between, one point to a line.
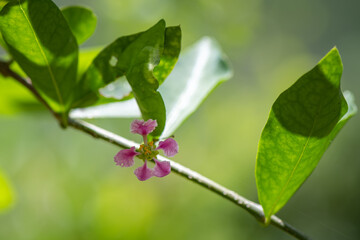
125 158
169 146
161 169
143 173
143 128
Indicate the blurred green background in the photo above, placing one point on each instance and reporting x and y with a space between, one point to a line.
57 184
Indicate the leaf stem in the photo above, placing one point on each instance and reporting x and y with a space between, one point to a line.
97 132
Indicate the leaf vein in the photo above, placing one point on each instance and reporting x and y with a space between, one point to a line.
296 165
53 79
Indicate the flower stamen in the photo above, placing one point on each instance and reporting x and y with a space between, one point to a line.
147 152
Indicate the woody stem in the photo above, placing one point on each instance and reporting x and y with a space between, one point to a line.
97 132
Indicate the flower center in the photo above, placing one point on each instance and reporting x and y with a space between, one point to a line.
147 151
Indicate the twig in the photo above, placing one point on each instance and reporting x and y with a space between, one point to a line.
97 132
7 72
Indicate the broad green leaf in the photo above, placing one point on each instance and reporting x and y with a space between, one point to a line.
46 49
6 193
199 70
302 122
15 98
82 22
133 59
120 88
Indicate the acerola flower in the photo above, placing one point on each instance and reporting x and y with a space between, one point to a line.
147 152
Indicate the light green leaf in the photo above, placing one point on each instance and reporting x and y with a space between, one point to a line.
46 49
199 70
302 123
134 58
82 22
86 56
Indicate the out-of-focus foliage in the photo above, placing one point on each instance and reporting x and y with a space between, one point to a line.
6 193
80 193
82 22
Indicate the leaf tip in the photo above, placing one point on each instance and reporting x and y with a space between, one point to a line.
162 22
331 63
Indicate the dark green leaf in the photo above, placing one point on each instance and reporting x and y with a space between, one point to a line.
302 123
134 58
121 90
46 48
2 42
170 54
199 70
3 3
82 22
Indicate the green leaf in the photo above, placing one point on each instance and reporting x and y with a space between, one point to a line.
46 49
199 70
2 43
3 3
82 22
86 56
121 90
170 54
302 123
134 58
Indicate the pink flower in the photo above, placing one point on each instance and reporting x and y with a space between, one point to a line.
143 173
169 146
143 128
161 169
147 152
125 158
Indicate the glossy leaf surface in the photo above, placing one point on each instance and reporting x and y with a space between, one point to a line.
202 68
82 22
134 58
199 70
46 49
302 122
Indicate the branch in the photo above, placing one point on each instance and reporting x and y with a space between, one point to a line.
97 132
